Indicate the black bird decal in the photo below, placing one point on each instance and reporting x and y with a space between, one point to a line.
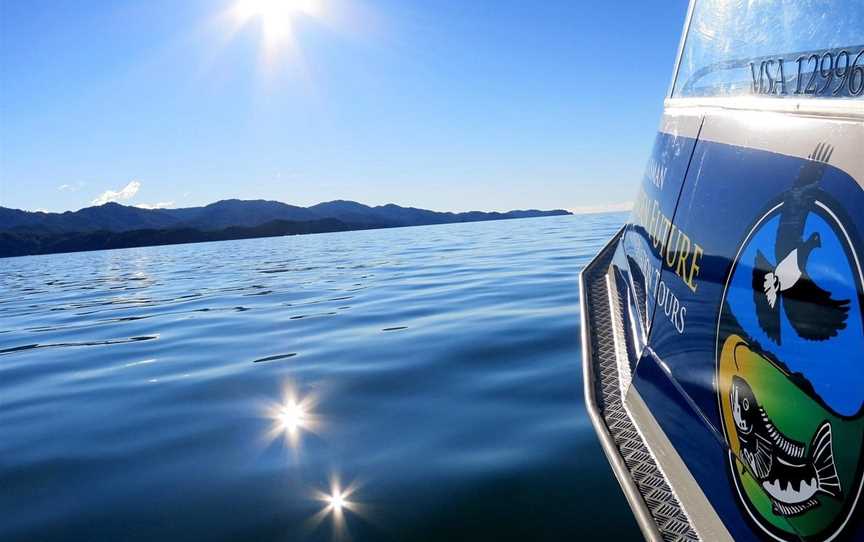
790 474
811 310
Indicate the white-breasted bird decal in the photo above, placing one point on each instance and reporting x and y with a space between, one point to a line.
811 310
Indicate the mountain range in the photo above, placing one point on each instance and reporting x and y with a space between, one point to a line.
113 225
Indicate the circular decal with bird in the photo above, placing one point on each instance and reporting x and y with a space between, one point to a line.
790 364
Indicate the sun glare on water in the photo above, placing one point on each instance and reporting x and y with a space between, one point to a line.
337 502
291 417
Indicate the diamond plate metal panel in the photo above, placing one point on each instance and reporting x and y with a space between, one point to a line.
670 518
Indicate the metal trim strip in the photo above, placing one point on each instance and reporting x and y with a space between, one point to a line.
681 44
619 468
838 108
703 517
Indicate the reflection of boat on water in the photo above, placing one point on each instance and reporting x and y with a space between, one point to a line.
723 325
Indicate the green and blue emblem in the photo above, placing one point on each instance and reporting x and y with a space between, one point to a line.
790 364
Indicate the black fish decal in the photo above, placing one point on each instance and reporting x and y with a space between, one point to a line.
789 473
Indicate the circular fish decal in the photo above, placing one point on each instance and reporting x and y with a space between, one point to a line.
790 364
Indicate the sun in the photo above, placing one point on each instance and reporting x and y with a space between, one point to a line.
274 16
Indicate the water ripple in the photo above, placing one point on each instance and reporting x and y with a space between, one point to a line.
211 391
275 357
34 346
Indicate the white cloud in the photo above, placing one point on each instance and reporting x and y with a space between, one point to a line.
160 205
73 187
603 208
125 193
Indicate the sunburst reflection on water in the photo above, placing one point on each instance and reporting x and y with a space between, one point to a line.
463 420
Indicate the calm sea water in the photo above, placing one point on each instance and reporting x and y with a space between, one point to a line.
222 391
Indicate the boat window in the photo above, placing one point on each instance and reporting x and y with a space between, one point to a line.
780 48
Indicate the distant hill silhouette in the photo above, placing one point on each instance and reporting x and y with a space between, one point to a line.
119 226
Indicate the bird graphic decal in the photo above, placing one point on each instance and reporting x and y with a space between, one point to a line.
813 312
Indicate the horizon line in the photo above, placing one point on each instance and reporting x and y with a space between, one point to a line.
590 209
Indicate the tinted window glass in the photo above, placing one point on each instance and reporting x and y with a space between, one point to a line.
782 48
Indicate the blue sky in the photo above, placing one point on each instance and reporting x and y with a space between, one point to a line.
441 104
